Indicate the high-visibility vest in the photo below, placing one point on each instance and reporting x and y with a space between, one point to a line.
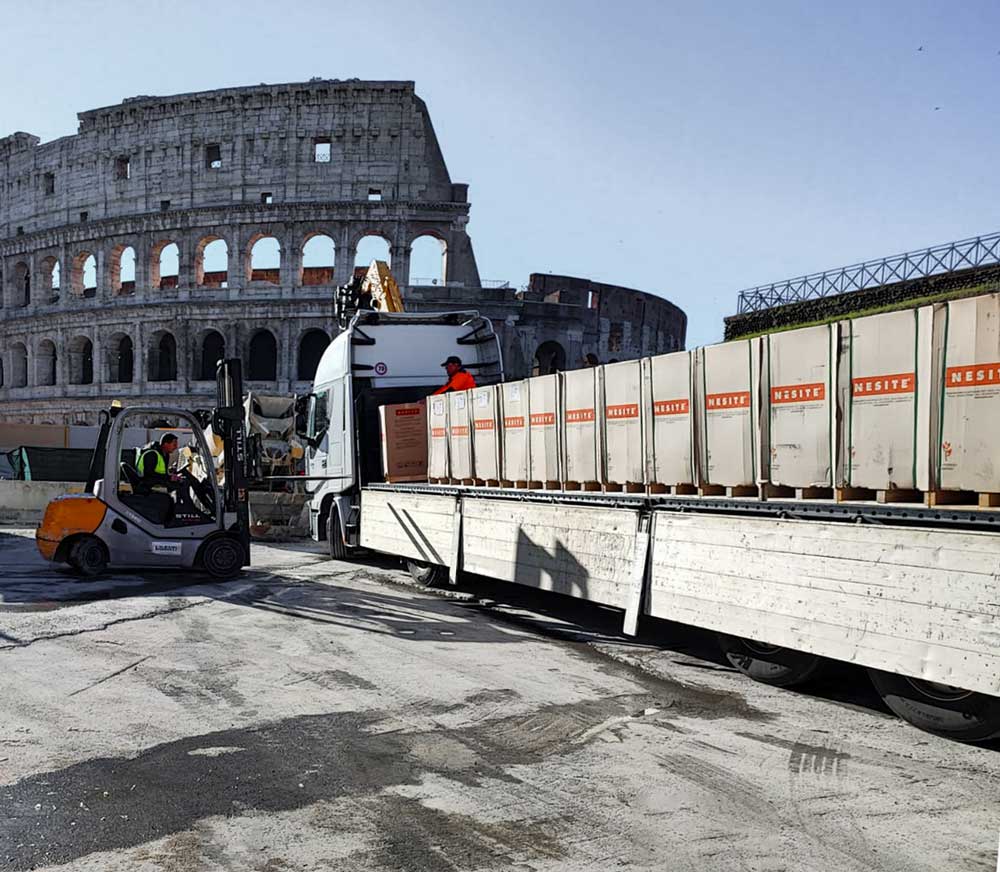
161 463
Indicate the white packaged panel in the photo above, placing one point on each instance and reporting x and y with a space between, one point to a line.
414 525
514 408
887 419
437 436
460 434
969 449
622 424
669 423
543 412
581 438
728 408
921 603
486 432
800 368
579 551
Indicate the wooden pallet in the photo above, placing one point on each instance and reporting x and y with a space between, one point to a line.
581 485
676 490
628 487
983 500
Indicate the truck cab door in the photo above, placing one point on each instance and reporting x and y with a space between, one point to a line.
318 435
339 459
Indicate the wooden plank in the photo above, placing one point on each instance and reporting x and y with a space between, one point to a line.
922 603
417 526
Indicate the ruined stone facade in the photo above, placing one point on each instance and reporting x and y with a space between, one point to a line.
105 238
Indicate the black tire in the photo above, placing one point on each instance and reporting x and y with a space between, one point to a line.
222 557
427 574
962 715
769 664
88 556
334 536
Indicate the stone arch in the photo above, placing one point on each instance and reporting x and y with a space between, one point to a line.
211 262
18 365
312 344
164 264
83 275
262 357
46 359
121 358
263 258
550 357
319 255
22 284
121 270
51 277
372 245
162 357
428 259
210 349
81 360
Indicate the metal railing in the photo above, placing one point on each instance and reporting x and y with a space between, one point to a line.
937 260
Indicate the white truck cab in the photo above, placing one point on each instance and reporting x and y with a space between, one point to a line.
380 358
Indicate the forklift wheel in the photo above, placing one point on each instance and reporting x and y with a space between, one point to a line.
88 556
222 557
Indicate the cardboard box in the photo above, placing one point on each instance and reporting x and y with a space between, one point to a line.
799 424
727 383
437 436
669 419
580 428
486 432
543 430
404 441
622 423
514 408
460 435
968 452
888 390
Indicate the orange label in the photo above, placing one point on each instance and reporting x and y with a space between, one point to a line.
407 412
974 376
731 400
483 424
438 432
623 411
671 407
880 385
809 393
460 430
543 419
514 423
578 416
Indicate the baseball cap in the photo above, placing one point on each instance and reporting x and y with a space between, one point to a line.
453 359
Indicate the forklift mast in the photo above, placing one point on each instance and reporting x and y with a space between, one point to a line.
227 422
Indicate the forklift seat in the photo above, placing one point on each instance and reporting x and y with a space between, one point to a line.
154 506
131 474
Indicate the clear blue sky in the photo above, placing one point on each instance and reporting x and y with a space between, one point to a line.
690 149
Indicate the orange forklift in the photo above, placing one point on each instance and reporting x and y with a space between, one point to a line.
121 522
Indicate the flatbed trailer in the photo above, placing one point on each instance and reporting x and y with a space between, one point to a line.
910 592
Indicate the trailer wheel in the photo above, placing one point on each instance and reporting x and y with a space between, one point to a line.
88 555
769 664
427 574
222 557
335 536
952 712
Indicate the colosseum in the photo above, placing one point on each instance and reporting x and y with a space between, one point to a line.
171 230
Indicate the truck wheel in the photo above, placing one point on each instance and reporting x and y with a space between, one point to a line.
427 574
947 711
222 557
335 536
769 664
88 556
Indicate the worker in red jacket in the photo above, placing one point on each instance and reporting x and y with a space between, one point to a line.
458 378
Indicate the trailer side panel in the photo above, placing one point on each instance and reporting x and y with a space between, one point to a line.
410 524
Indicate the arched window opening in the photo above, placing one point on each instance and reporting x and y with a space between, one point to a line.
549 358
311 348
318 258
121 270
22 284
213 349
372 247
81 361
45 363
265 260
262 364
211 263
165 265
83 275
51 279
121 359
428 261
162 357
18 365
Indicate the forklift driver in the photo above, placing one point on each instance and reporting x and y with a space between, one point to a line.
152 465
